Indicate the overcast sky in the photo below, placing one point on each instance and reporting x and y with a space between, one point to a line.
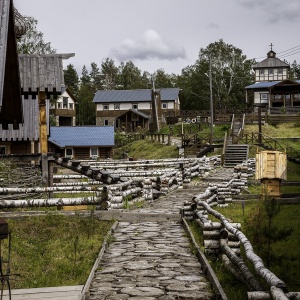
165 34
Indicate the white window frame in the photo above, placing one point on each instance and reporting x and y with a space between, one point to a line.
71 106
135 106
58 105
164 105
3 147
117 106
105 107
264 97
94 155
66 152
65 101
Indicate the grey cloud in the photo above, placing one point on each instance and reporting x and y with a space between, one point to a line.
151 46
275 11
213 25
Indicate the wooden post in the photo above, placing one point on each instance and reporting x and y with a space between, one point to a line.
43 135
259 125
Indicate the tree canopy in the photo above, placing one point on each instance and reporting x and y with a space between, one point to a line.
32 42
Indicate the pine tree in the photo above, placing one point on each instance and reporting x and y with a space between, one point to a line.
71 79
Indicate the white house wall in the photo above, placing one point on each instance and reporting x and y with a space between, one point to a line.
124 106
257 98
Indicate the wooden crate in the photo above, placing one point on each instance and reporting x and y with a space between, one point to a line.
271 165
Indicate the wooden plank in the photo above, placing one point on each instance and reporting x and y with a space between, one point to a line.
62 292
75 207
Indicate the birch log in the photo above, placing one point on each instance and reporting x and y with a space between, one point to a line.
266 274
48 202
242 267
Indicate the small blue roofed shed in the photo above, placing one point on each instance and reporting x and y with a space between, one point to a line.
82 142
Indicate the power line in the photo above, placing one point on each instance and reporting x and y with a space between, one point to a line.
285 53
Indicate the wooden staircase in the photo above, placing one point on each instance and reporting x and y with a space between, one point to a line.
235 153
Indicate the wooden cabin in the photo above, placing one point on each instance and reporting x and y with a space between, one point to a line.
112 107
82 142
273 90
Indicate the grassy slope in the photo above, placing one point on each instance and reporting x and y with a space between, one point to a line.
54 250
144 149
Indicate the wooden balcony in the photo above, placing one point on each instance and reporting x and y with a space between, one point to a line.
63 112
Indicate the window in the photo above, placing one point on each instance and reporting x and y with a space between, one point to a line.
280 71
105 122
105 107
65 102
69 152
264 98
271 71
71 106
165 105
2 150
135 106
94 153
117 106
58 105
261 72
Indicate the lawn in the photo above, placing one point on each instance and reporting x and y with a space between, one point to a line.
53 250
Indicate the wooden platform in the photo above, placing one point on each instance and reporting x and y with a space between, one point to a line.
61 292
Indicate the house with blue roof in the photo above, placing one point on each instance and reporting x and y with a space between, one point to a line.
82 142
132 109
273 90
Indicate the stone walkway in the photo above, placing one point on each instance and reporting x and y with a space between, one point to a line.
149 260
152 260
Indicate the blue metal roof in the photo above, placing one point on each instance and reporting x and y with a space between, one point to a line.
85 136
143 95
267 84
261 85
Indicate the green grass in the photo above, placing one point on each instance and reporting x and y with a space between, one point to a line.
145 149
286 251
54 250
233 289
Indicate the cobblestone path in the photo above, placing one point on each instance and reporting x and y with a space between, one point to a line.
152 260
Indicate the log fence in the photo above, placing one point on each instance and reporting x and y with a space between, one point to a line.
225 238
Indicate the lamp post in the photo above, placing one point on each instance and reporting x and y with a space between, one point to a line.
211 138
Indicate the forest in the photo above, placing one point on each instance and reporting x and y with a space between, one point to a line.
231 72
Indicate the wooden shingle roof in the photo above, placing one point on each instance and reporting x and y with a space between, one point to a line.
42 72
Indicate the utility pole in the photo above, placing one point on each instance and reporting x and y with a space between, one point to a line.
211 138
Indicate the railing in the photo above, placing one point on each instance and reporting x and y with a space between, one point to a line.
226 238
268 143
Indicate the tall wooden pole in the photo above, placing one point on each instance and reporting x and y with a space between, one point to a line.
211 140
43 135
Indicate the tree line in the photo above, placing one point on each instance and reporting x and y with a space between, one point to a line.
231 71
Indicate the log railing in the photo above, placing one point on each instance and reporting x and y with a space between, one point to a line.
269 144
225 238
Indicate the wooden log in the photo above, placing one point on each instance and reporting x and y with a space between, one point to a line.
211 235
48 202
43 189
277 294
211 244
267 275
240 265
228 265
